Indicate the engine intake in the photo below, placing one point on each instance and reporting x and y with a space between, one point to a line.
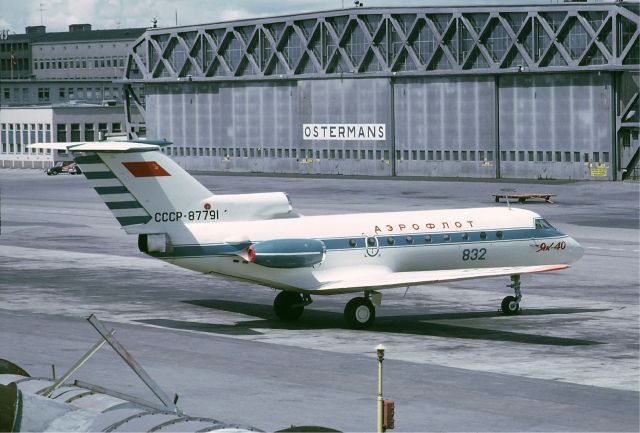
154 243
287 253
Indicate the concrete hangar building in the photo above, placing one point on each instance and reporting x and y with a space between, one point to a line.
535 91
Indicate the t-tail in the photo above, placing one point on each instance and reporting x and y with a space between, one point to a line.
145 189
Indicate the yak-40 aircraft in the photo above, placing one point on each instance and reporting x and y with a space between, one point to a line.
261 239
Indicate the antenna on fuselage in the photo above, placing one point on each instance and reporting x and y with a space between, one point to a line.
506 195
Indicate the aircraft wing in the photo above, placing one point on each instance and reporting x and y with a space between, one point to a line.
356 279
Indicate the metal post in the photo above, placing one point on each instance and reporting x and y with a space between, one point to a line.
380 352
391 134
49 390
137 368
496 124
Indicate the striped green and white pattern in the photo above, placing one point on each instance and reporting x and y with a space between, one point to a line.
124 206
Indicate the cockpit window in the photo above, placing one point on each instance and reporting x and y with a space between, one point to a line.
542 224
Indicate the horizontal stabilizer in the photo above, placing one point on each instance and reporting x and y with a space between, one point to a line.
98 146
383 278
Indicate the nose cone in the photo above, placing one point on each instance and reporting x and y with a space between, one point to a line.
574 250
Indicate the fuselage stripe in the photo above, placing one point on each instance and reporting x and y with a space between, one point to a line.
343 244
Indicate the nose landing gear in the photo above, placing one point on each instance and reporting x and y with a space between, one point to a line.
511 304
359 313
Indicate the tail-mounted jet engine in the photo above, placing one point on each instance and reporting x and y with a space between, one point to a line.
287 253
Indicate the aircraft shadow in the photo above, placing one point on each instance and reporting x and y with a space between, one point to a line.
417 324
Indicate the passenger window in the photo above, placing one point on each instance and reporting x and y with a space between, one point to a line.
446 238
483 236
391 241
371 242
409 240
427 239
352 243
465 236
499 235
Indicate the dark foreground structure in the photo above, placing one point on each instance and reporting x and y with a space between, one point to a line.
537 91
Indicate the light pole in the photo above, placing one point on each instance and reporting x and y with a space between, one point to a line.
380 352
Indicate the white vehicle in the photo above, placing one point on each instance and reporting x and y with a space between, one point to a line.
260 238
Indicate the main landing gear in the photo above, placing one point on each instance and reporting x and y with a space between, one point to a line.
289 306
359 313
511 304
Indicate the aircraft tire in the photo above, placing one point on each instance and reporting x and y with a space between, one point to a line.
288 306
359 313
510 306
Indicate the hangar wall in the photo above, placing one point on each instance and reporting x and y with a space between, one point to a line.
555 125
534 126
445 126
257 126
548 91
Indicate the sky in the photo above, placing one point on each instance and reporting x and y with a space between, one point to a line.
15 15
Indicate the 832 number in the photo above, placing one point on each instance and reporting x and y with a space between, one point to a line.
474 254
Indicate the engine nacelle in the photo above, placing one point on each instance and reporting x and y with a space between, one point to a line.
287 253
250 207
154 243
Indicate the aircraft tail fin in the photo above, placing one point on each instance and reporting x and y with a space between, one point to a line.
145 189
138 183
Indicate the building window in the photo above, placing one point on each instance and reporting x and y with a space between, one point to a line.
61 134
75 132
61 92
116 127
43 94
102 128
89 132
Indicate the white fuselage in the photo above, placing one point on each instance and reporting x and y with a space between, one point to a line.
398 241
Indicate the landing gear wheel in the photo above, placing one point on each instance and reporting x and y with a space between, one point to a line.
359 313
288 306
510 306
